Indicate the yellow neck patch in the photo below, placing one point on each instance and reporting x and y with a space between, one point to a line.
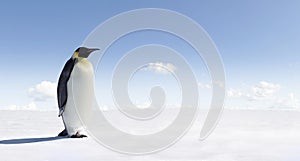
75 55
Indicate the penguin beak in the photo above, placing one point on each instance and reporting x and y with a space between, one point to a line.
85 52
92 50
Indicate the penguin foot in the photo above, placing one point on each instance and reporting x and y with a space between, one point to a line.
78 135
63 133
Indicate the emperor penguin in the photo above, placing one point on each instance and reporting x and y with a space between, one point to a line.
75 89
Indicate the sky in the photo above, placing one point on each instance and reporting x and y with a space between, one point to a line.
258 42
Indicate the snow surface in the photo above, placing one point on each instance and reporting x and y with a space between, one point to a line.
241 135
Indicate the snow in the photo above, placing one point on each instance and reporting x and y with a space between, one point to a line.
241 135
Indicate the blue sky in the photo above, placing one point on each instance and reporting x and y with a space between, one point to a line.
258 42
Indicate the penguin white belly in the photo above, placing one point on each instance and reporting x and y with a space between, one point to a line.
80 95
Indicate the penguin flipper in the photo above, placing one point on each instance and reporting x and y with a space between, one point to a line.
62 91
61 111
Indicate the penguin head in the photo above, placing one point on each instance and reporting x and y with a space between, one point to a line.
83 52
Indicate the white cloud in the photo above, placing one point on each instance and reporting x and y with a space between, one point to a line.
289 102
263 95
264 90
42 97
144 105
204 85
160 68
234 93
261 91
219 83
31 106
43 91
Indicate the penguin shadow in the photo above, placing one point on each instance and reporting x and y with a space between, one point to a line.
31 140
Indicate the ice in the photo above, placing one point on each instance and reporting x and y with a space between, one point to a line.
241 135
